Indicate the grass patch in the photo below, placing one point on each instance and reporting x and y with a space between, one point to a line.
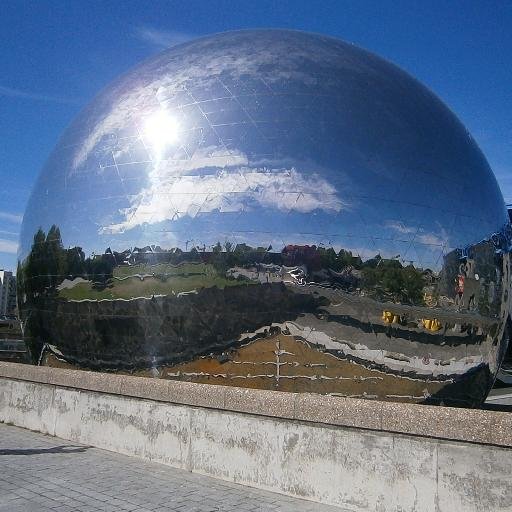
166 279
184 269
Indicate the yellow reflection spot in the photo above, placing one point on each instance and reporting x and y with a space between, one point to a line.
391 318
431 324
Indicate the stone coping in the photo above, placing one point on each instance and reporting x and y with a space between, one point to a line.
469 425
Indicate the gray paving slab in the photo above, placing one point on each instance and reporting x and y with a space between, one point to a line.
40 473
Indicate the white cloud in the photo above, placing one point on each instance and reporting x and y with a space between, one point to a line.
400 228
8 246
13 218
230 185
161 38
441 238
434 239
28 95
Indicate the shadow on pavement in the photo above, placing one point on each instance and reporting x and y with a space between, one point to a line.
38 451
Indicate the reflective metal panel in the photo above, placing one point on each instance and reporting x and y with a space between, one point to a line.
271 209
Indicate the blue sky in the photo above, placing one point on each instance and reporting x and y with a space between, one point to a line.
56 55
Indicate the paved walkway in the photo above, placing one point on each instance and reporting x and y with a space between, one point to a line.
39 473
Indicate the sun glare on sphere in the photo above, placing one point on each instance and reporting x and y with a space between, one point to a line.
161 130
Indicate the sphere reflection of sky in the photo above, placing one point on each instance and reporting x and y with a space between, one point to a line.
268 138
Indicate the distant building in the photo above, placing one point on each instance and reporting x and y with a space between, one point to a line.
7 293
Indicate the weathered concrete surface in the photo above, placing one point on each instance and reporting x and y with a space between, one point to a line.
354 468
484 427
27 404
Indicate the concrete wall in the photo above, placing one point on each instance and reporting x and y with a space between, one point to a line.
294 444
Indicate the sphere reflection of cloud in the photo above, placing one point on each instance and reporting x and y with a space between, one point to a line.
174 192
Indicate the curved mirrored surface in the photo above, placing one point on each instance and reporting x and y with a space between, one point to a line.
271 209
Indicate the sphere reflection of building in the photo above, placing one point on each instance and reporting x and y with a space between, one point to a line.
271 209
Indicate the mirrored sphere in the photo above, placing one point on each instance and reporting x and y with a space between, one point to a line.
271 209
